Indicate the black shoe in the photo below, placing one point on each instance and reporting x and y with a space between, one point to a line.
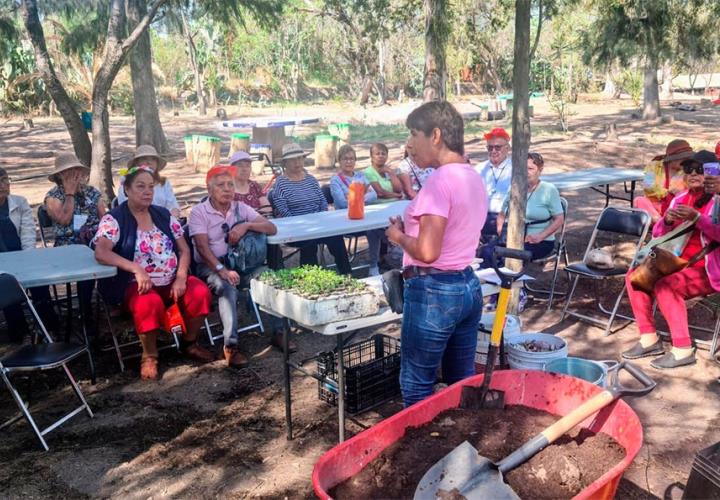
638 351
668 361
276 340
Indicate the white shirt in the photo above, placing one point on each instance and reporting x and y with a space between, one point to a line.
497 182
163 195
21 216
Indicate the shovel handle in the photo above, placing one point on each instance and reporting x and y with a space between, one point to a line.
588 408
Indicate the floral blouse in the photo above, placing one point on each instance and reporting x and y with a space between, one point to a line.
252 197
153 249
85 219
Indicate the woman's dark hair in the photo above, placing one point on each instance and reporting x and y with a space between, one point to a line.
130 177
380 146
3 172
537 159
441 115
344 150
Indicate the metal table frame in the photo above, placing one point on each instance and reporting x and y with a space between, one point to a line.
598 179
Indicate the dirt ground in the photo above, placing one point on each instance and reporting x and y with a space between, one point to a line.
208 431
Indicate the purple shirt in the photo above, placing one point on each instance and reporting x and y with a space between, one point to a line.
456 192
204 219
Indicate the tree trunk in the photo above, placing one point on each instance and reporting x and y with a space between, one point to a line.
651 98
148 128
65 105
609 88
202 108
435 73
667 91
520 134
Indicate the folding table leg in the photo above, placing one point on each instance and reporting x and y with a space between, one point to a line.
341 388
286 377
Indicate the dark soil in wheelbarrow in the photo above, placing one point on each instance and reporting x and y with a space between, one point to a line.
561 470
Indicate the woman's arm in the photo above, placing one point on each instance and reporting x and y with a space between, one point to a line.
396 184
27 226
500 222
555 225
61 211
202 245
338 193
105 255
428 244
370 194
406 185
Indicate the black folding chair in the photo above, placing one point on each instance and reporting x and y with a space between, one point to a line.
37 357
617 221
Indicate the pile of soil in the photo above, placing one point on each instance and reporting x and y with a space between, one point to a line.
559 471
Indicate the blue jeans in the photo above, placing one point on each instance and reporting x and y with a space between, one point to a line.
440 323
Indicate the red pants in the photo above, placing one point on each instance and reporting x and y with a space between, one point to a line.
148 310
671 292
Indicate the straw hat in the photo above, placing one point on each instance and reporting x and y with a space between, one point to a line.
292 150
146 150
63 162
677 149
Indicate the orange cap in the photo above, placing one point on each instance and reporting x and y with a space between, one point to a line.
220 170
499 133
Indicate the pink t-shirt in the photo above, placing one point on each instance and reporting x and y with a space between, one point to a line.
204 219
457 192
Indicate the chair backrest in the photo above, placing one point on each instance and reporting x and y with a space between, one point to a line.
45 222
191 245
560 235
114 203
327 193
12 294
623 221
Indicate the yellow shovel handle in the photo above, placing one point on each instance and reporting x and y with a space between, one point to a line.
500 313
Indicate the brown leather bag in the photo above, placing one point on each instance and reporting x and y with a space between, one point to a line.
660 263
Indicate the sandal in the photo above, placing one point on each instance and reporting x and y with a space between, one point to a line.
149 368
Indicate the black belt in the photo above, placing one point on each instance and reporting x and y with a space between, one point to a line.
415 271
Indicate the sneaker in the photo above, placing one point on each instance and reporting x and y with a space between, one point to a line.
374 271
638 351
235 358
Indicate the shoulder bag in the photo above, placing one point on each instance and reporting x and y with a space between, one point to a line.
247 254
660 263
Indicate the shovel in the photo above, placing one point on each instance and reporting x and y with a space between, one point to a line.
490 398
465 472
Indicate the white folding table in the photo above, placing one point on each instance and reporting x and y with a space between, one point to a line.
597 178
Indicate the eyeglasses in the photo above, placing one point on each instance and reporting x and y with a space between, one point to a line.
693 168
495 147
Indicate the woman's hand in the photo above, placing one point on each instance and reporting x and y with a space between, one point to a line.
684 212
230 276
71 182
143 280
237 232
533 238
396 230
712 184
178 288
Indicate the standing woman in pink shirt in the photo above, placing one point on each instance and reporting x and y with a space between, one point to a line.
438 234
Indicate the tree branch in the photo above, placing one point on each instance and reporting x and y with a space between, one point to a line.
141 26
539 29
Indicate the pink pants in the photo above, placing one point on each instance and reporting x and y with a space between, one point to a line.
671 292
650 206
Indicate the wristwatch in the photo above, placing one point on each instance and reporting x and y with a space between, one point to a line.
219 267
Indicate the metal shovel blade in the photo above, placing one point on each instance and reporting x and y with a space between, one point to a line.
464 472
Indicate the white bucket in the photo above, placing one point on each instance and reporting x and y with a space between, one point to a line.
521 359
512 327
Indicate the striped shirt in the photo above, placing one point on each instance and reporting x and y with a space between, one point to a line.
298 197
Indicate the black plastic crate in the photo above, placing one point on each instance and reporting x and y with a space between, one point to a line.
372 373
704 480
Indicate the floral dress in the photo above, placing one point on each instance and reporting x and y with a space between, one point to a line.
252 197
153 249
85 219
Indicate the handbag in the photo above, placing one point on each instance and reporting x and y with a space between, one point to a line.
247 254
393 287
660 263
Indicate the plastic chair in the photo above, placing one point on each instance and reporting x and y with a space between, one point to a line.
559 252
617 221
37 357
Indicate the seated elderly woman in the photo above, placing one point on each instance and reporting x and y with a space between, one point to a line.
17 232
700 278
411 176
163 194
147 245
543 214
214 224
340 187
381 177
247 191
299 193
75 209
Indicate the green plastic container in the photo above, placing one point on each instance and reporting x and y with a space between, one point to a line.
240 136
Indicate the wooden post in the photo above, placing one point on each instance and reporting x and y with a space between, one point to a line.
520 135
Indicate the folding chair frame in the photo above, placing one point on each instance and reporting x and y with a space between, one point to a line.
612 313
24 408
259 324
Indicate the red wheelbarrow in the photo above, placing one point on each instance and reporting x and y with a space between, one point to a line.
553 393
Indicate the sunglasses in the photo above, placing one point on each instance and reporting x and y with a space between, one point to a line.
693 168
492 147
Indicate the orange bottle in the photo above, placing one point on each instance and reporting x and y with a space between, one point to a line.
356 201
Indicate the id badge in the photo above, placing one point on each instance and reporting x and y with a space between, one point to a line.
79 221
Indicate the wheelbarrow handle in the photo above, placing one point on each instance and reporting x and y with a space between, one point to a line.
500 253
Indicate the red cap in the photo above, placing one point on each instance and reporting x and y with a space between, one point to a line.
219 170
717 150
498 133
